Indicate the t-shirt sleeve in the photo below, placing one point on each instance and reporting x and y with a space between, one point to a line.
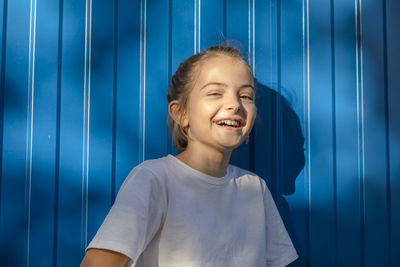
135 217
280 249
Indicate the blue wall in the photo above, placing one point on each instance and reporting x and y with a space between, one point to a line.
83 100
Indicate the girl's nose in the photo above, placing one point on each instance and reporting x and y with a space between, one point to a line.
233 103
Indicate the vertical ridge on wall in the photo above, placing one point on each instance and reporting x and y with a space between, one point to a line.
252 63
254 38
360 123
58 119
197 26
307 121
2 83
278 112
142 105
272 34
29 126
393 96
169 135
115 102
251 35
277 142
334 156
86 125
387 135
224 9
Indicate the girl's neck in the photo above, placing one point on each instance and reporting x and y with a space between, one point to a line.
210 162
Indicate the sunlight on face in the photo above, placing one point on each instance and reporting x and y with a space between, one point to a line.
221 109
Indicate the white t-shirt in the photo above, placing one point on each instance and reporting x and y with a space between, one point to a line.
168 214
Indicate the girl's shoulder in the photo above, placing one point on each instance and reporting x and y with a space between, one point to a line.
156 166
240 173
148 172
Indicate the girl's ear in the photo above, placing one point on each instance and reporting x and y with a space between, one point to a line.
177 114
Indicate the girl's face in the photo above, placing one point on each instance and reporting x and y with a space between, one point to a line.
221 109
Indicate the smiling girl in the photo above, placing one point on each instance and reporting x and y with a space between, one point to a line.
195 209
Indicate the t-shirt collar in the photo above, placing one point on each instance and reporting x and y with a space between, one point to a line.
205 177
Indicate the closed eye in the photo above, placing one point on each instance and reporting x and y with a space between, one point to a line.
247 97
214 94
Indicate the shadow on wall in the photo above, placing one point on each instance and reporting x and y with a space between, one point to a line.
279 148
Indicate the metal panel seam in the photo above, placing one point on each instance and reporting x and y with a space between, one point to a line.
307 122
360 124
86 125
142 80
387 141
249 30
2 89
29 121
334 156
254 40
169 136
114 107
199 30
195 27
58 118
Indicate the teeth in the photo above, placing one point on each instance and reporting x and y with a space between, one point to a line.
228 122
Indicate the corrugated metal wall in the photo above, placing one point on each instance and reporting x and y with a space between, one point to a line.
83 100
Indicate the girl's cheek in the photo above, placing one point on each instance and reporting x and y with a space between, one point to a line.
250 108
208 106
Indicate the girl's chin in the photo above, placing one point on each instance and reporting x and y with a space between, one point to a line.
229 146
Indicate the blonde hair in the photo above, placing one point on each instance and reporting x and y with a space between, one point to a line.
182 82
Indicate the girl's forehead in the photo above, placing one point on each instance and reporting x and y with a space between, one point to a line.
225 67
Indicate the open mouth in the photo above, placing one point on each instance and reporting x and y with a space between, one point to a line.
234 124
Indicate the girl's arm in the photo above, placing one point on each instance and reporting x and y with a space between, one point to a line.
101 257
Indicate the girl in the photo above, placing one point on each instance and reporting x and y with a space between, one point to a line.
195 209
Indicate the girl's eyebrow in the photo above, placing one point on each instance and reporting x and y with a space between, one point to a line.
225 85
